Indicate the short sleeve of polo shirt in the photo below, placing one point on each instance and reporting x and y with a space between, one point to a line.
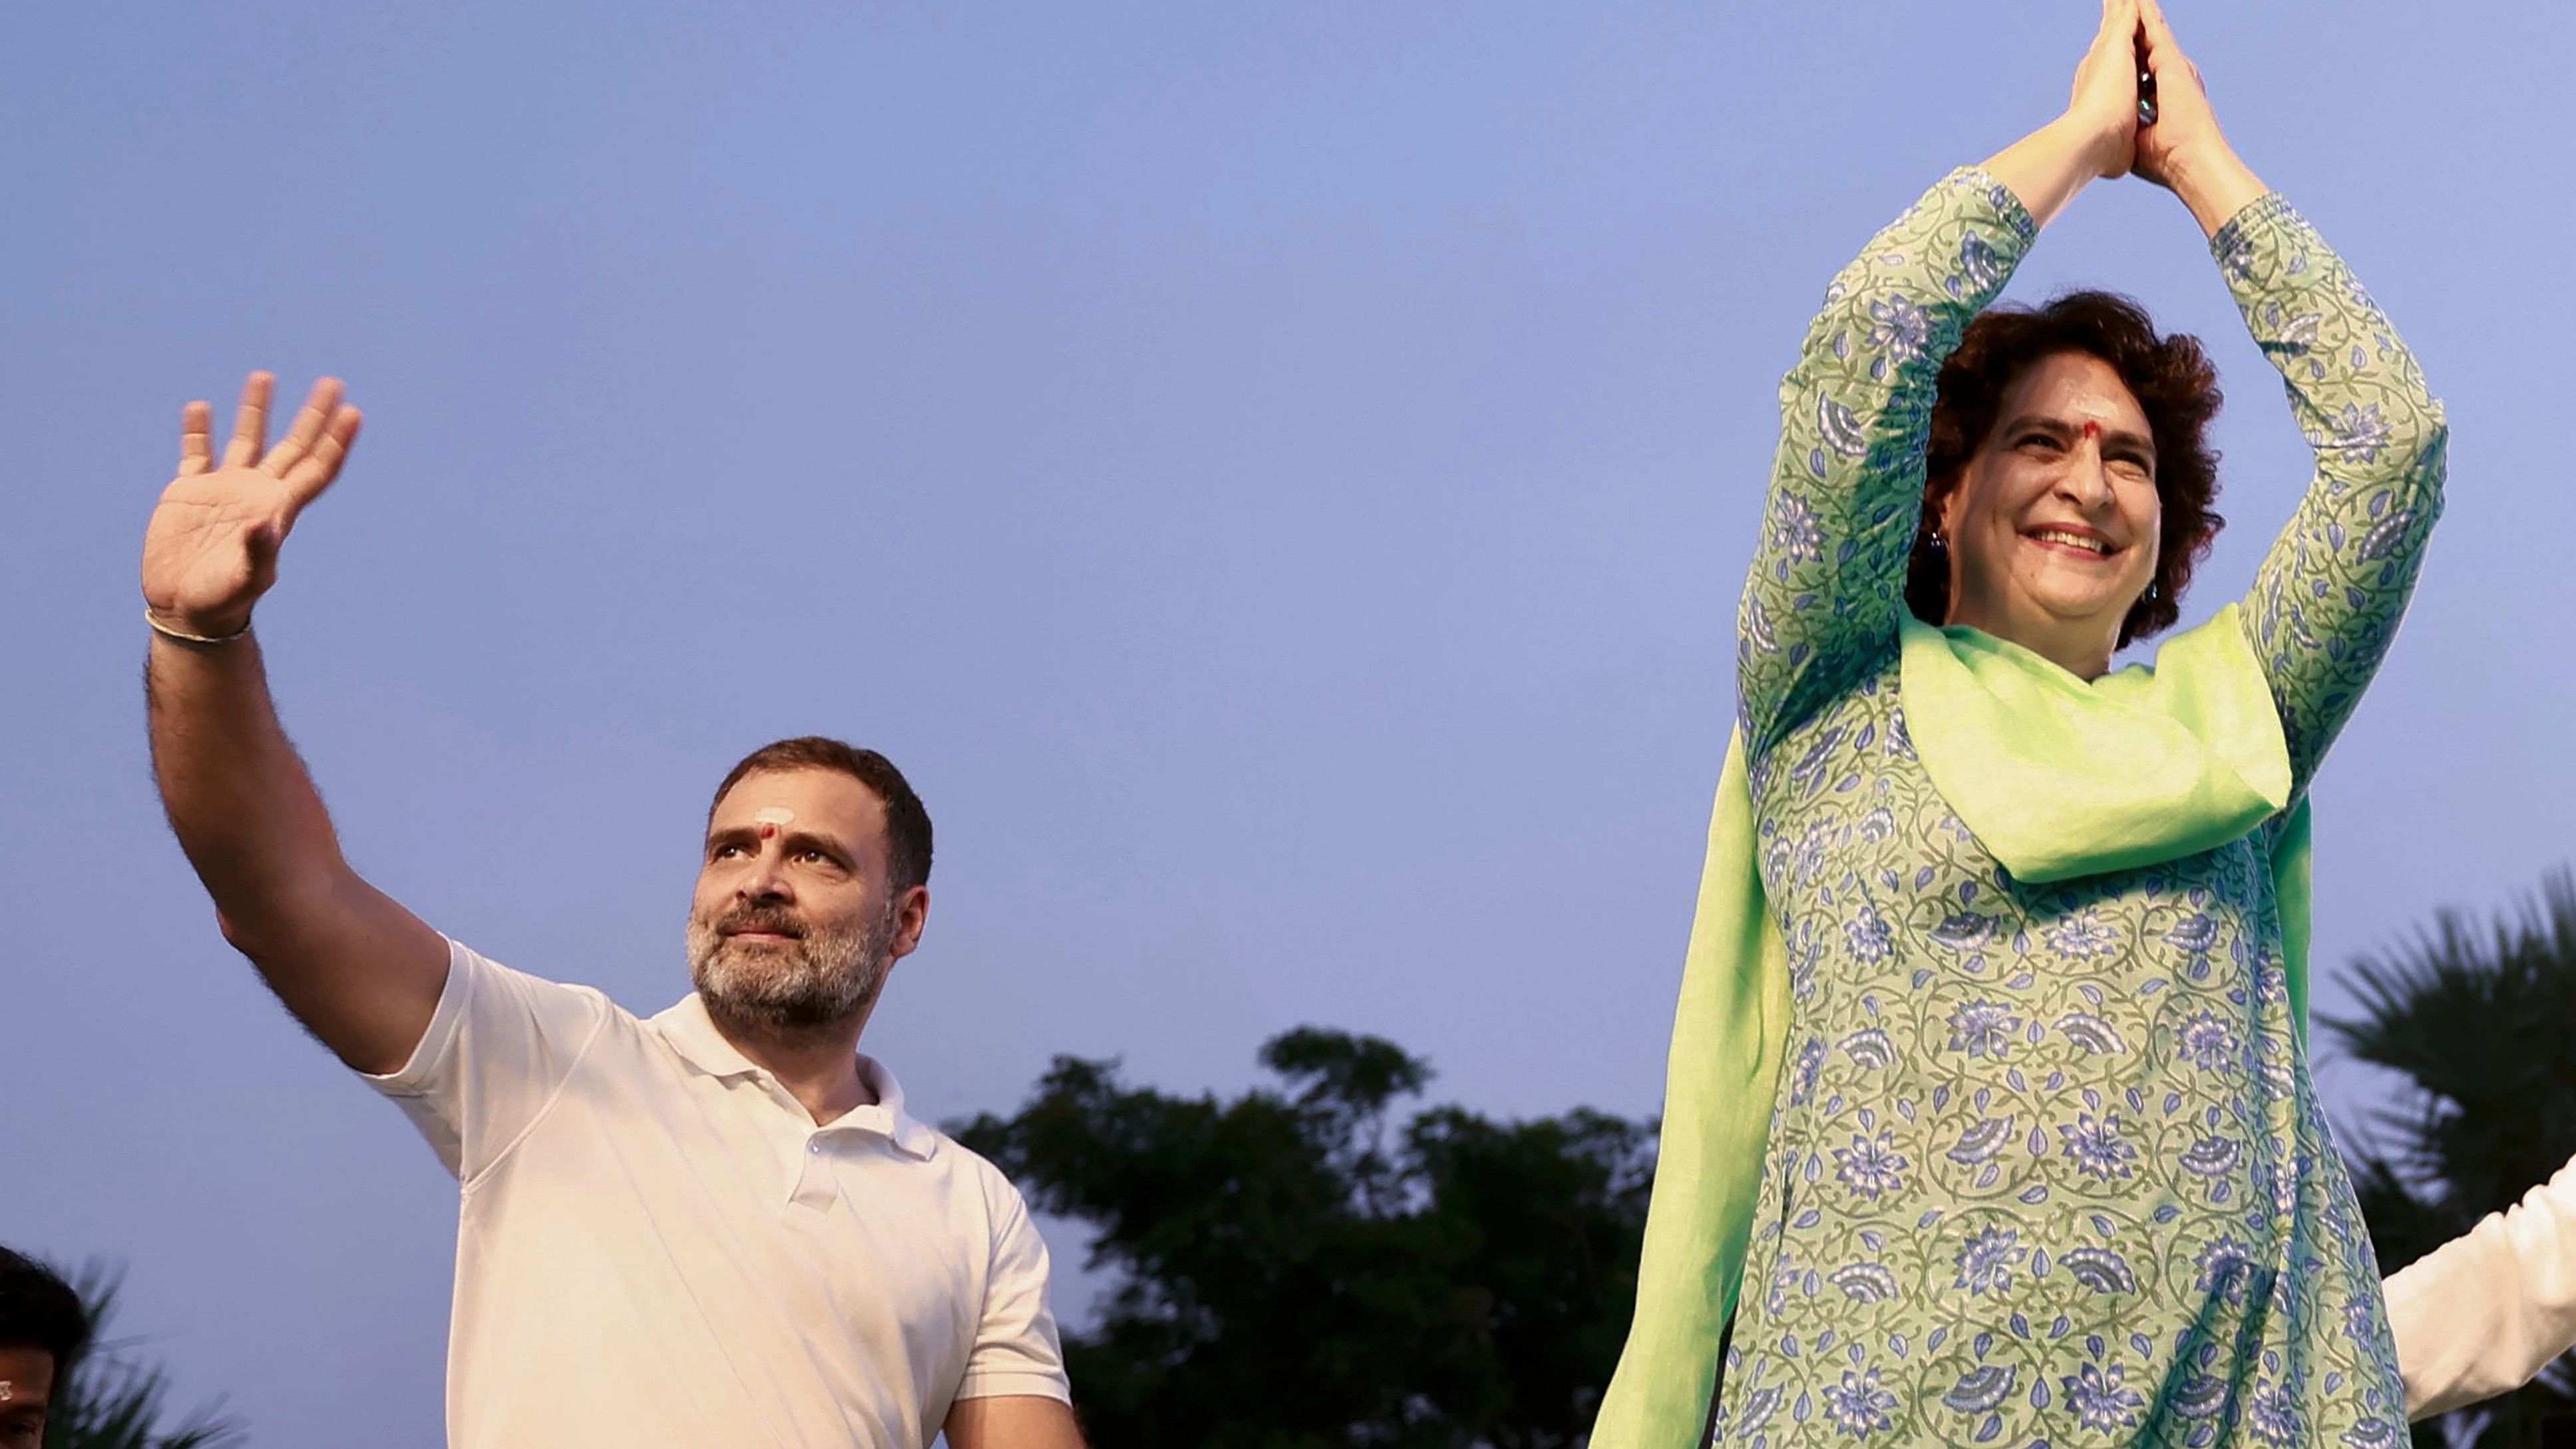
1016 1349
498 1050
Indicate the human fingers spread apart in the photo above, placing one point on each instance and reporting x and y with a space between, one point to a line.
306 460
309 457
210 548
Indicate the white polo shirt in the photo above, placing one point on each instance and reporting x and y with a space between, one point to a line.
658 1246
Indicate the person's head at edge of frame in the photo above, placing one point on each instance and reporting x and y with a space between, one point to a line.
43 1329
2069 482
814 881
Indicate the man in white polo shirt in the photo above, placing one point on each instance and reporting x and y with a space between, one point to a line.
715 1227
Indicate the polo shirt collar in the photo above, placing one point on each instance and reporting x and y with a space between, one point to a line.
692 1033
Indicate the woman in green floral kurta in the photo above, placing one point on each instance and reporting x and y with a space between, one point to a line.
2046 1165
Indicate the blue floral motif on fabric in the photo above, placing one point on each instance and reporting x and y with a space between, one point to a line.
2046 1165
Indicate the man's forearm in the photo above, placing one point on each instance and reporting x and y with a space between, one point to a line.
1012 1421
363 974
239 800
358 970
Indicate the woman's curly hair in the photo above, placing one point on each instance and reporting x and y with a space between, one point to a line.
2175 386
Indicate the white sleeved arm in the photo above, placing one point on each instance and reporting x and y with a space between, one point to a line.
498 1048
2483 1313
1016 1349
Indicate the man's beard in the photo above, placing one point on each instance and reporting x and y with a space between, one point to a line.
822 976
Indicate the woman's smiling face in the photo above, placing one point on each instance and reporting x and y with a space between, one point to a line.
2053 524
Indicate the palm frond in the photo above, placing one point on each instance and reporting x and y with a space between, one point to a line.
2474 1017
116 1400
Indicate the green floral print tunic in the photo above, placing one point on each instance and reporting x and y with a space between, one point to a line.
2046 1166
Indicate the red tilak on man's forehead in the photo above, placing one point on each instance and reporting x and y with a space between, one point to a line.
2092 429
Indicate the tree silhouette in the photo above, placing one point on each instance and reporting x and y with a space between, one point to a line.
1294 1271
2475 1017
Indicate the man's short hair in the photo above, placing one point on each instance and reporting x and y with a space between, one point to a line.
39 1310
907 823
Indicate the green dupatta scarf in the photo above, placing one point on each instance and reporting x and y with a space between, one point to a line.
2058 777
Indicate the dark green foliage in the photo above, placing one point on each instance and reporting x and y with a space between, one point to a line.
2476 1018
1294 1271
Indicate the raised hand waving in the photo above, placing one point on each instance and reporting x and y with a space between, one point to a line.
210 550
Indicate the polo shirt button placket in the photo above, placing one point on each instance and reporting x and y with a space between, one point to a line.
816 1187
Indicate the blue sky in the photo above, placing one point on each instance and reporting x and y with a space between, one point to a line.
1278 479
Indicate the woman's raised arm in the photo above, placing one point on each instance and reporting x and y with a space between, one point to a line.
1847 484
2329 594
